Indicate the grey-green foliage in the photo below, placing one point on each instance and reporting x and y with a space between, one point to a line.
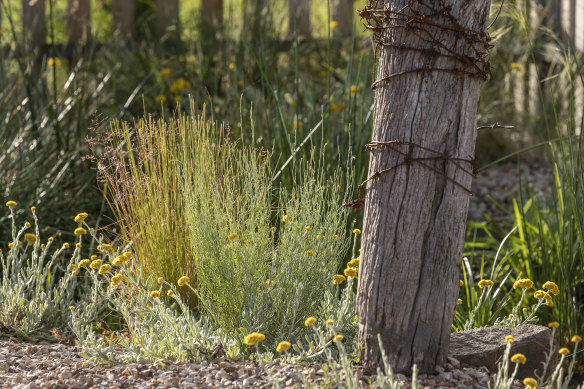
266 279
36 287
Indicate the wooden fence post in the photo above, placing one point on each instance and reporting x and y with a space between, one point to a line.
166 16
34 23
299 17
342 13
124 15
78 22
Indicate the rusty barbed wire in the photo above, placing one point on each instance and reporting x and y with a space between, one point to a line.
426 21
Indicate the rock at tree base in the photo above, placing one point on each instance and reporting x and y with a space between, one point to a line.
486 346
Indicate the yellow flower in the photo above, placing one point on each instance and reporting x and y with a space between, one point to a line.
30 238
84 262
71 307
283 346
335 237
231 66
284 218
232 236
66 245
531 383
519 358
170 292
253 338
270 284
183 280
564 351
164 72
338 338
354 262
353 90
309 321
160 279
576 338
80 217
160 99
155 294
72 267
273 228
549 301
552 287
539 294
459 301
515 66
93 257
128 254
104 268
310 253
33 208
179 84
53 61
78 245
350 272
356 231
95 264
460 282
329 322
27 224
308 228
553 324
322 74
485 283
116 279
119 260
11 204
42 245
334 24
338 279
509 339
80 231
524 283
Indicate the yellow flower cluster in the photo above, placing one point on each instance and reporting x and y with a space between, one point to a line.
165 72
116 279
356 231
529 382
353 90
183 280
509 339
11 204
179 84
553 324
105 247
283 346
170 292
254 338
338 279
232 236
519 358
564 351
310 253
84 262
95 264
310 321
552 287
80 231
104 268
459 301
485 283
155 294
523 283
350 272
308 228
80 217
354 262
338 338
329 322
30 238
576 338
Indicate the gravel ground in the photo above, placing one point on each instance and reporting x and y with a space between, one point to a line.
55 366
24 365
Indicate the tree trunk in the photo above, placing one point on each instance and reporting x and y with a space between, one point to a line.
78 22
429 78
342 13
166 16
34 23
299 17
124 16
212 13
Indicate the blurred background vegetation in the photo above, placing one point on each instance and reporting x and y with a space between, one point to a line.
280 84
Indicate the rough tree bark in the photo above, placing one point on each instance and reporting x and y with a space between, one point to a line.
124 16
78 21
166 16
342 12
34 23
430 72
299 17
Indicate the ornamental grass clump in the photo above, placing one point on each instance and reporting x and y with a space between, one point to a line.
249 274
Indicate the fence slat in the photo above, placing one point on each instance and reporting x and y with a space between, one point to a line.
299 17
166 16
124 15
78 22
34 23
